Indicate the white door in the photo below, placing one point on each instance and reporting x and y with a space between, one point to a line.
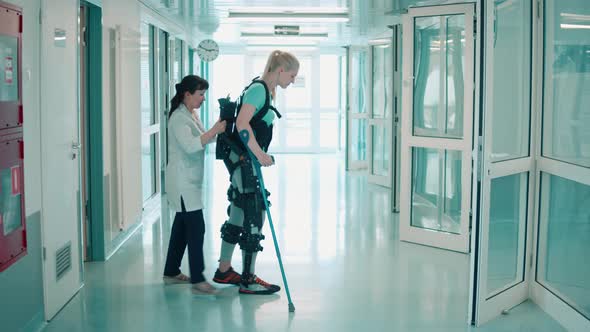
437 123
357 108
59 153
507 178
381 113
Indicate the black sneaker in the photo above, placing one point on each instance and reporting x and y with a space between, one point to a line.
228 277
257 286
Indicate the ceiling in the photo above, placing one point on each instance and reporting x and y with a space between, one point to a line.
209 19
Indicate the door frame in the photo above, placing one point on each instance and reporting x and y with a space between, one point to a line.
456 242
396 118
92 125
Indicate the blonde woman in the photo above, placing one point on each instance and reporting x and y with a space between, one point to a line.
247 212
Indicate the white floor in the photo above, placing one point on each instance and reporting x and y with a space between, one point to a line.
346 268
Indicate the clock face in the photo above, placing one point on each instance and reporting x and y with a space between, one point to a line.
208 50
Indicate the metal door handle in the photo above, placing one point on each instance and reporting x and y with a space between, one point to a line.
76 145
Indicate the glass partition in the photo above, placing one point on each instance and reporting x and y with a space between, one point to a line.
508 208
382 78
380 153
439 44
566 115
511 81
564 240
564 216
436 189
148 115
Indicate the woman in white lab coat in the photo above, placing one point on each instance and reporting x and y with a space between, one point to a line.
184 179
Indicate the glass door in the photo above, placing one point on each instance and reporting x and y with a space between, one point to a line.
356 137
149 120
507 179
561 267
437 121
380 125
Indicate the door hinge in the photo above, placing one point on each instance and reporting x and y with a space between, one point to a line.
474 27
479 156
44 254
84 36
86 212
539 9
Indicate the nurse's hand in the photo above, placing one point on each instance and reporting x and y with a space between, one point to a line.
219 126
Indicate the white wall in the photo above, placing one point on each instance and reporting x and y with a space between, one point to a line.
121 114
122 107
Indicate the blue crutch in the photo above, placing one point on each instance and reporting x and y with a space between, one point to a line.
245 137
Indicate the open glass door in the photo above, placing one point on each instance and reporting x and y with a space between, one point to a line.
356 137
381 110
507 181
561 281
437 126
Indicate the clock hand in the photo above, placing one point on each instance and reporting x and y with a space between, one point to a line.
205 49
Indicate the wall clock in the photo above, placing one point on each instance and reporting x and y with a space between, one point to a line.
208 50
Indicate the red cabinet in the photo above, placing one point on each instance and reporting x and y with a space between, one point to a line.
13 235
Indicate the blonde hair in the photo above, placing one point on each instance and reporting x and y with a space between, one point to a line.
278 59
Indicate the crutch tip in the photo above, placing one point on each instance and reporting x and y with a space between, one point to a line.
291 307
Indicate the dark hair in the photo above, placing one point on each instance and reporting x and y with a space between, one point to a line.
190 84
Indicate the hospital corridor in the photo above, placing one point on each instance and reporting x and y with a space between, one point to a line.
388 165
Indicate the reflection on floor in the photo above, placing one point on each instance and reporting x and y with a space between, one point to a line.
347 269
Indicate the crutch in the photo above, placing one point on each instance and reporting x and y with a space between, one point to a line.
245 137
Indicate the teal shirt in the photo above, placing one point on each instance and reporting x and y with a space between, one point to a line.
255 96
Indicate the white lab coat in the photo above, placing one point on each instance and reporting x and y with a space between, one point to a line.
186 160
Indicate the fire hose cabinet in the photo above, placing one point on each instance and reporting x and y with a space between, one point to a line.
13 236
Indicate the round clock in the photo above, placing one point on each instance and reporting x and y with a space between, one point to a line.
208 50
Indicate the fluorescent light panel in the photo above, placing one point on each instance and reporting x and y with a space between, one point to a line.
270 30
305 35
380 41
289 14
575 17
574 26
296 48
281 41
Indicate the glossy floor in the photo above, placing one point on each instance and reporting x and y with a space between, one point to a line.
346 268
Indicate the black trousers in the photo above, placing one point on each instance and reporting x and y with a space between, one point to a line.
188 229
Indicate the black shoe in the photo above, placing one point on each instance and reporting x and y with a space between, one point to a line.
257 286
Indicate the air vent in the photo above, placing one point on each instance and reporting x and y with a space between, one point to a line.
63 260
